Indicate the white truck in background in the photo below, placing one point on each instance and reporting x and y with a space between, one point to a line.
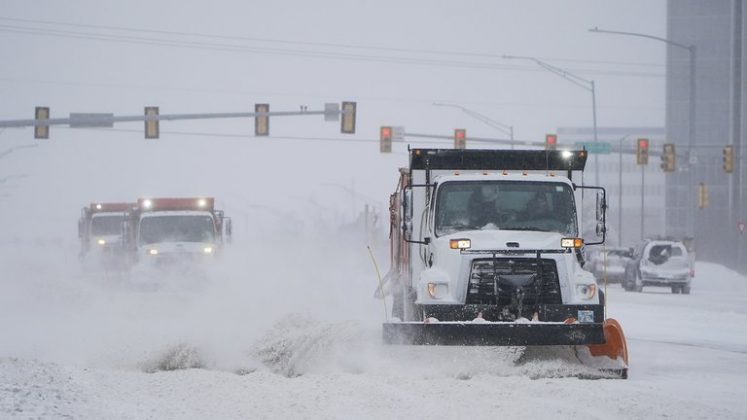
100 231
167 231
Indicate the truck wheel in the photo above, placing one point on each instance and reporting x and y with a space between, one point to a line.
676 289
685 290
638 285
626 283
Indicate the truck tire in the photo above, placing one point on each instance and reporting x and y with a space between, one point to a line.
685 290
637 283
676 289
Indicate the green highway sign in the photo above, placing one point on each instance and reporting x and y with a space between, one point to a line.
600 147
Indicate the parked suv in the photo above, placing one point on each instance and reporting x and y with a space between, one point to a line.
662 263
617 260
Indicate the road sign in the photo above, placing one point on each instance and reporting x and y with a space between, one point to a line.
331 111
398 133
84 120
602 148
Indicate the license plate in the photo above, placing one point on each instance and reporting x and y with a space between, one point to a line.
586 317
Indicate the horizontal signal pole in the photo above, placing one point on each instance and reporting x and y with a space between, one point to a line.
108 120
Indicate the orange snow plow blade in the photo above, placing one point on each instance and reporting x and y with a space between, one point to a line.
615 346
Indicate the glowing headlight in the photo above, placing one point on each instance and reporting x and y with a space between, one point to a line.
571 242
98 206
101 242
153 251
207 250
586 291
147 203
202 202
460 244
566 154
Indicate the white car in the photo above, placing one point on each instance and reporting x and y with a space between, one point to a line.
662 263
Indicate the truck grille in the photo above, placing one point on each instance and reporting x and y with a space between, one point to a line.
488 276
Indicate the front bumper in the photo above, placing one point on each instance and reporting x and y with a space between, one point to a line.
545 312
492 334
648 279
456 327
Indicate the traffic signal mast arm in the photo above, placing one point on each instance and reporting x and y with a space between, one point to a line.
42 122
81 121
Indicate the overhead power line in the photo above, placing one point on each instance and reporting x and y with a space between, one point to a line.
316 44
309 53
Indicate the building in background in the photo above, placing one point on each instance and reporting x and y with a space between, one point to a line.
716 30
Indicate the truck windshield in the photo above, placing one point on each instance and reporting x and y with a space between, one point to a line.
505 205
104 225
176 228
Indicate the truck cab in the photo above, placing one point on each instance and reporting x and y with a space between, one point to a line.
161 231
100 229
472 223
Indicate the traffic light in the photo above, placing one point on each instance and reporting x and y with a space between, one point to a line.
668 158
40 114
385 140
702 196
729 159
641 152
348 118
460 138
261 120
152 129
551 141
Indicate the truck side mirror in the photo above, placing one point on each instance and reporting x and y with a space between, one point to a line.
127 234
601 206
601 229
227 229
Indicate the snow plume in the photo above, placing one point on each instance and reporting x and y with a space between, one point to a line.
54 308
297 344
292 306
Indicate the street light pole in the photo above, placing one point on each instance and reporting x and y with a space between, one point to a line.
504 128
578 81
691 111
619 190
14 148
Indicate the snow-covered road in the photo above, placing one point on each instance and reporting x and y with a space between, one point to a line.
80 349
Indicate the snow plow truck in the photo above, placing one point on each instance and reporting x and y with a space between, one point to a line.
165 231
486 249
100 231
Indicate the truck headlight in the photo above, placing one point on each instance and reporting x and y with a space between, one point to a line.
586 291
153 251
101 242
436 290
460 244
207 250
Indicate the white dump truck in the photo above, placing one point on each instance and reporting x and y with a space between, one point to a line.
486 249
162 231
100 231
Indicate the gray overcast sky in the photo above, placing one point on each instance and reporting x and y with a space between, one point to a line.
394 58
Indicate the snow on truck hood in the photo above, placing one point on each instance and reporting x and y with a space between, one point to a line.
486 240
